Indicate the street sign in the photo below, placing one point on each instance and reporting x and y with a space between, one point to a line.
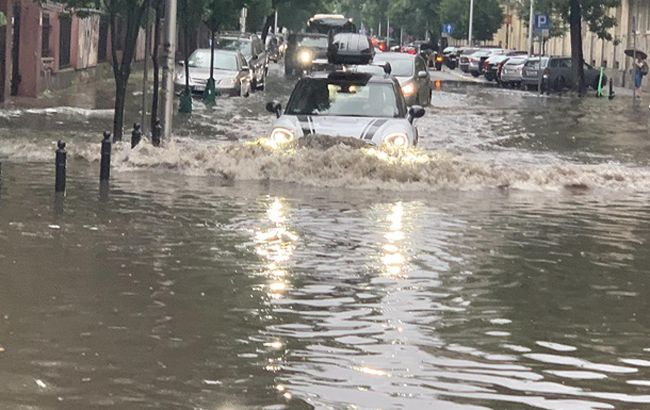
542 22
448 28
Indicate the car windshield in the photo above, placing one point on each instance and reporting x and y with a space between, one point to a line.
400 67
222 61
311 42
236 44
328 98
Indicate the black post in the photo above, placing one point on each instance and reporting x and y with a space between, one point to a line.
156 134
136 135
105 164
60 162
611 89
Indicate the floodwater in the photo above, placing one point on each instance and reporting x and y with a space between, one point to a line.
502 265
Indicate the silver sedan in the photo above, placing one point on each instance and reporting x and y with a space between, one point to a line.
231 73
413 76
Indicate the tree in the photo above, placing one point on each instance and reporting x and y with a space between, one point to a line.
130 13
217 15
190 13
488 17
573 13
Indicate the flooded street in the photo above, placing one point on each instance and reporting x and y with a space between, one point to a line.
501 265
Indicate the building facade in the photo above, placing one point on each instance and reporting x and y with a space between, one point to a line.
609 54
43 47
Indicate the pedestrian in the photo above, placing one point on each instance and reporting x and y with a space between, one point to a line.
640 70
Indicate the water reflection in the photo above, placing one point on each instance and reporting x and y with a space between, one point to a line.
393 258
275 244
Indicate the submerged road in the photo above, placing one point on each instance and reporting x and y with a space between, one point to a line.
501 265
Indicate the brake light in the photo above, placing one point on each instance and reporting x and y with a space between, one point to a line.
382 46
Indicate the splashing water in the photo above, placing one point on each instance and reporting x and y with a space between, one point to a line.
331 162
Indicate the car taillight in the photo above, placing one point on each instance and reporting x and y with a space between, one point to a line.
382 46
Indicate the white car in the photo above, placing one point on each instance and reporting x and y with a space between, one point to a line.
360 105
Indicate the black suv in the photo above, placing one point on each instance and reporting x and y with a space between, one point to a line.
252 48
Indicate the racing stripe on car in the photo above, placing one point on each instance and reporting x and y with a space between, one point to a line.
365 129
311 125
304 124
375 127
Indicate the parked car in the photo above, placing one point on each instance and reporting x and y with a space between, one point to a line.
231 72
492 65
558 74
477 59
511 71
463 58
411 72
252 48
532 71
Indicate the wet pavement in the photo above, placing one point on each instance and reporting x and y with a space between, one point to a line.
501 265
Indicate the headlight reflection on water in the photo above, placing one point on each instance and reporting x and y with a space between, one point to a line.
275 246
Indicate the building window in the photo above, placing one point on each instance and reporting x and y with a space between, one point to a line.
65 34
45 36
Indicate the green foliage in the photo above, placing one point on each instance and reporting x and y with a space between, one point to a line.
488 18
594 13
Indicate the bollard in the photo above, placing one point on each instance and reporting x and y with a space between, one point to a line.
59 163
136 135
611 89
156 134
105 163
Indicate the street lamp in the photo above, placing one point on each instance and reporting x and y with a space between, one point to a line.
531 21
471 22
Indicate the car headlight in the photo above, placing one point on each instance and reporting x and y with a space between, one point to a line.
282 136
396 140
408 89
305 57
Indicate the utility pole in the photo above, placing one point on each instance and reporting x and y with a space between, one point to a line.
635 22
169 66
388 34
145 79
471 22
531 22
275 23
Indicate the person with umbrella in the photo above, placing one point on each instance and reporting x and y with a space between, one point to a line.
640 68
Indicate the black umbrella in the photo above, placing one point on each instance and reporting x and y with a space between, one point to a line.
636 53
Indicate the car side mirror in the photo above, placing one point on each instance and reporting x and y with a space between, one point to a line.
415 111
274 107
422 74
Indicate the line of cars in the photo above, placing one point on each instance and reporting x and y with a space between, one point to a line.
241 64
516 69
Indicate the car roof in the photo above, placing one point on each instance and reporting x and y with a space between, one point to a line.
397 56
352 76
218 50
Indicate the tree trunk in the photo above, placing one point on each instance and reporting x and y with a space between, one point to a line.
122 69
120 101
577 59
268 22
186 56
156 66
212 45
